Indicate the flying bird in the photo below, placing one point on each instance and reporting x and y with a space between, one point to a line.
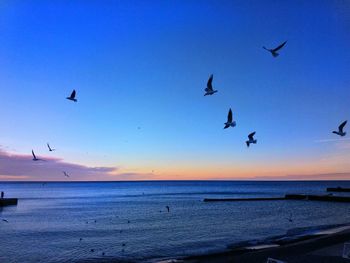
34 157
50 149
5 220
65 174
340 131
209 89
230 122
168 208
251 139
72 96
274 50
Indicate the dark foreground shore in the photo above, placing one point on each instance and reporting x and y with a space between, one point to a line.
321 248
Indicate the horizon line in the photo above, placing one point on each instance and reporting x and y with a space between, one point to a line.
198 180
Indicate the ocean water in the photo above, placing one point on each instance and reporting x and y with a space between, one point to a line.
128 221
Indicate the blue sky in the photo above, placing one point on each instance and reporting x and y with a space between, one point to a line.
145 64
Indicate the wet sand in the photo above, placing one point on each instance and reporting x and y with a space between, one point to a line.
326 247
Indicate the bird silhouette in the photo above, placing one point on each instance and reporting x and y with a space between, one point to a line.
230 122
340 130
290 219
274 50
65 174
251 139
72 96
209 89
50 149
5 220
168 208
34 157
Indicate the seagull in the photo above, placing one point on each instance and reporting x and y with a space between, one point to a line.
290 219
5 220
274 50
50 149
340 131
168 208
34 157
65 174
209 89
251 139
229 122
72 96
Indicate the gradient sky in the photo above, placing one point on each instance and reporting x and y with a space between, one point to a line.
140 69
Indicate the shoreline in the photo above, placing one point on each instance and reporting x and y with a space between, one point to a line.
322 245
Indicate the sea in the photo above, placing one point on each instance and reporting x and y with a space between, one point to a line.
130 222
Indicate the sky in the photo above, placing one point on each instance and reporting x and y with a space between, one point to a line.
140 69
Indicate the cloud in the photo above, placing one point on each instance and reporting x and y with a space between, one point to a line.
343 145
331 140
21 167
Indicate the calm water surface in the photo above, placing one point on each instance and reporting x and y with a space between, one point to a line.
50 218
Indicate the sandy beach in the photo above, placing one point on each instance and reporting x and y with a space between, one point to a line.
324 247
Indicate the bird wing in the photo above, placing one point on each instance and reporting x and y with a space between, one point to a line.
229 116
33 154
341 126
73 94
279 47
209 83
250 136
49 146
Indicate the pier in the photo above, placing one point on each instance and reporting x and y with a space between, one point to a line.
338 189
302 197
8 201
242 199
329 198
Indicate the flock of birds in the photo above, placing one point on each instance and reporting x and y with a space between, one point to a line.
209 90
72 98
230 123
